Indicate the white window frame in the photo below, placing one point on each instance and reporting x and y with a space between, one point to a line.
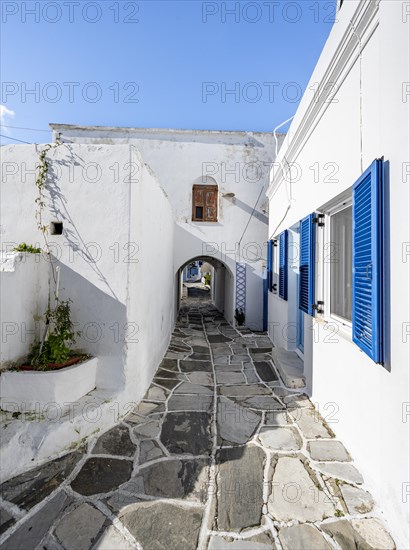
343 201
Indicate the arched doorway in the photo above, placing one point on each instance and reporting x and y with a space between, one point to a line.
212 281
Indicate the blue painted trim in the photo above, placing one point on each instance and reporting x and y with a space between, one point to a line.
312 265
367 292
269 266
307 265
265 304
283 265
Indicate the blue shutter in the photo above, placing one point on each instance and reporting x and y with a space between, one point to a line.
307 265
367 311
283 265
270 265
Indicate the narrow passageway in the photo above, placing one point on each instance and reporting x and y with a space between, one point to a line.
218 455
196 292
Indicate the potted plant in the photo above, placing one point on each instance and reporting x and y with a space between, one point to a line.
53 375
239 316
28 248
54 351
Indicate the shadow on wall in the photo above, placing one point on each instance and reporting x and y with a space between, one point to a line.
254 305
100 317
308 371
102 323
58 209
251 211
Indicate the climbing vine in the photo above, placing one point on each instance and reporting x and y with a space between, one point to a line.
41 183
59 335
54 347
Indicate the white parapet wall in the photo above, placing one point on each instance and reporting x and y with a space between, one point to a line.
24 288
34 391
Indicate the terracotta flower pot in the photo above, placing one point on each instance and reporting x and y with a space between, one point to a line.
55 366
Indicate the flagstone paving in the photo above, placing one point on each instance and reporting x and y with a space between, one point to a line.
219 455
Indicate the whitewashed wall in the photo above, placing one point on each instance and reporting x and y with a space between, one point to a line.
151 297
370 401
23 297
115 231
180 158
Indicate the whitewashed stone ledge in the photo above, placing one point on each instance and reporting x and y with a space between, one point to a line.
8 261
25 391
290 368
31 439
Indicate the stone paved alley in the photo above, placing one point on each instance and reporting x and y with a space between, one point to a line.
218 455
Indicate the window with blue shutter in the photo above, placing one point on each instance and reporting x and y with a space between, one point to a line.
307 265
367 312
283 265
269 267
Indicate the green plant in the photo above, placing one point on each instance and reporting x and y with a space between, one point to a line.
23 247
61 335
239 316
41 182
207 279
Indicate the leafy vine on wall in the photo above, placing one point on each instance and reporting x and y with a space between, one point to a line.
41 184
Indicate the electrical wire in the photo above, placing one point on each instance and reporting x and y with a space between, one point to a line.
276 154
250 217
276 137
260 193
289 195
22 128
284 216
15 139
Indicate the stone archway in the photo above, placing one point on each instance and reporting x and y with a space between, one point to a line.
221 293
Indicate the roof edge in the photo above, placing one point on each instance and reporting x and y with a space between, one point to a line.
59 127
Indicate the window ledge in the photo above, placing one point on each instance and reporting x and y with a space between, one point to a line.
205 222
339 329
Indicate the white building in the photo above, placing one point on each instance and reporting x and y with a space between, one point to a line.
339 225
228 170
132 199
192 272
136 207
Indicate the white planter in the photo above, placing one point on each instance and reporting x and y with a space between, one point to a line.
37 390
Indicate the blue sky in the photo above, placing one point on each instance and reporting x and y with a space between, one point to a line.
164 64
